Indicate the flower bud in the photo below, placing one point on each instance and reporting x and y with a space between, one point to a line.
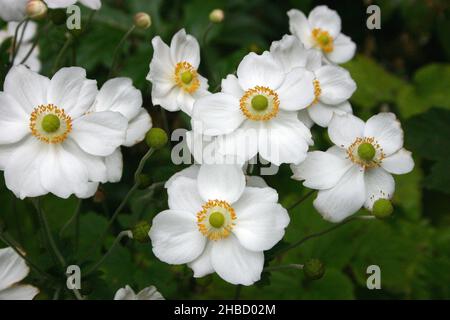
144 181
36 9
216 16
314 269
140 232
156 138
142 20
382 208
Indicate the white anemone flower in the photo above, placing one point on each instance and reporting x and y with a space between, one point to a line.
49 143
13 269
127 293
119 95
333 85
176 83
12 10
256 112
322 31
91 4
215 223
358 170
26 45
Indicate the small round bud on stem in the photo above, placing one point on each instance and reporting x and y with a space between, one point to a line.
156 138
216 16
36 9
142 20
314 269
382 208
144 181
140 232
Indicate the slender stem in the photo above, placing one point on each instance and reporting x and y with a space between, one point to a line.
117 50
57 293
237 293
282 267
50 240
73 218
323 232
62 52
306 196
205 34
16 45
35 42
123 234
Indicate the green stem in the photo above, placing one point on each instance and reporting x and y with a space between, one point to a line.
16 45
61 53
306 196
47 232
121 235
282 267
73 218
237 293
117 50
205 34
36 41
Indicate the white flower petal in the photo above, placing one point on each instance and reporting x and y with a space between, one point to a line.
149 293
19 292
12 268
28 88
379 184
230 85
175 237
344 129
137 128
184 196
162 70
12 10
322 113
321 170
386 129
400 162
234 263
92 4
202 266
190 172
126 293
168 101
284 139
221 182
336 84
70 90
185 47
324 18
299 27
344 199
260 70
290 52
6 153
53 4
14 121
114 166
297 90
218 113
303 116
343 49
100 133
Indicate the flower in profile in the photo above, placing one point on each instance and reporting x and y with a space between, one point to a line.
176 83
49 143
358 170
256 112
12 10
322 31
127 293
119 95
217 223
333 85
13 269
91 4
28 30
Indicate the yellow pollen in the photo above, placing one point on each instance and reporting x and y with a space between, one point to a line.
317 92
50 136
323 40
186 77
267 113
208 219
352 153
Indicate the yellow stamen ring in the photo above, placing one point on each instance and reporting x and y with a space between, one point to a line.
323 40
44 124
255 107
216 219
354 151
317 92
186 77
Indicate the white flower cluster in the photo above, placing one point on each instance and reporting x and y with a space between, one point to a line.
219 220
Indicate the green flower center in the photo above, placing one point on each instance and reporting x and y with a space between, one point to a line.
366 151
324 39
50 123
382 208
187 77
216 219
260 102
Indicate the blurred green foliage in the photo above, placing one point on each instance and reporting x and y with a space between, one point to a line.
404 67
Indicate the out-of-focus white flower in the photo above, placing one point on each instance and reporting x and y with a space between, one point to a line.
176 83
127 293
12 10
13 269
215 223
119 95
48 141
256 112
55 4
333 85
356 171
322 31
26 45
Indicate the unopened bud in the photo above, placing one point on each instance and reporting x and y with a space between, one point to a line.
140 232
142 20
156 138
314 269
36 9
382 208
216 16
